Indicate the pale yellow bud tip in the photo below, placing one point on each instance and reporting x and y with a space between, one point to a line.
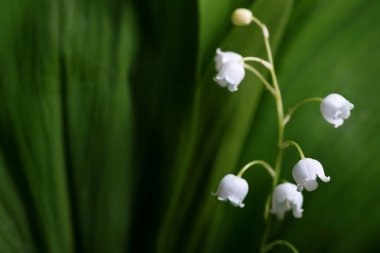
241 17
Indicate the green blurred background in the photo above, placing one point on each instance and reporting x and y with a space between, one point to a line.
113 134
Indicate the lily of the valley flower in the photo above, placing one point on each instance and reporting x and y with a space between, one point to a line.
335 109
230 67
286 197
233 189
305 173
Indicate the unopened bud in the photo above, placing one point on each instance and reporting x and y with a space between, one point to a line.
241 17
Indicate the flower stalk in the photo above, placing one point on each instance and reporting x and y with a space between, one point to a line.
287 244
264 164
295 107
281 127
266 64
284 197
267 85
296 145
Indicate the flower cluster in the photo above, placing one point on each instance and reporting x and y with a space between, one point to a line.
335 109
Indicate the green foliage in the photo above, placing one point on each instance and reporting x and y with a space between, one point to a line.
113 133
65 122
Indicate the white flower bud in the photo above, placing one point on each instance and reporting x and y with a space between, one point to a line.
233 189
230 67
241 17
286 197
305 173
335 109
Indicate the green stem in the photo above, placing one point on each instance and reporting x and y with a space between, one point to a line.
271 245
257 162
259 60
262 79
295 144
259 23
281 126
294 108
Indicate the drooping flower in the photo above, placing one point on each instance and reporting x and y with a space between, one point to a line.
233 189
241 17
305 173
223 57
335 109
230 67
286 197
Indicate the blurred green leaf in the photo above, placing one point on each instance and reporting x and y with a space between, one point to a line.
65 120
97 119
31 120
163 90
14 231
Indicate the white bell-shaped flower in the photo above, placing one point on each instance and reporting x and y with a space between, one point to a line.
230 67
305 173
223 57
233 189
286 197
335 109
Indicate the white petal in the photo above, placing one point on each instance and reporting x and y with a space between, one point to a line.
310 185
286 197
233 189
305 173
221 81
303 170
335 109
220 198
297 211
329 109
297 202
279 209
320 172
232 87
223 57
236 202
231 74
336 122
346 110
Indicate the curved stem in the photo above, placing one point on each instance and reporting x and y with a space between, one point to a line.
271 245
262 79
295 144
257 162
261 25
259 60
295 107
